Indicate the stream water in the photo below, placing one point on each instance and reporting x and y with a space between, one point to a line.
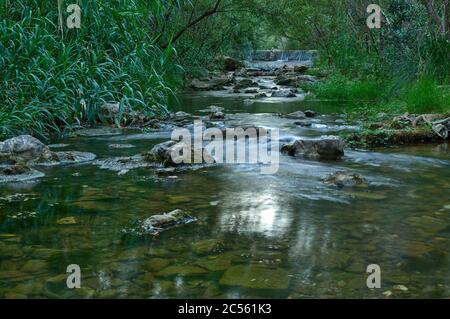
286 235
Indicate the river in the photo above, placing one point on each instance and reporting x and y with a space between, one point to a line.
286 235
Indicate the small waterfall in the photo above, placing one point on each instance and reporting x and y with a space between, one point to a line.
272 59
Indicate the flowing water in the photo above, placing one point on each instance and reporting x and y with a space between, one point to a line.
286 235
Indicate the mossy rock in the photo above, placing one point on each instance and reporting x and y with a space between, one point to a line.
214 264
67 221
157 264
255 277
427 223
208 246
183 270
34 266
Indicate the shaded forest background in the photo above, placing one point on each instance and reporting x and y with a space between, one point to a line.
141 52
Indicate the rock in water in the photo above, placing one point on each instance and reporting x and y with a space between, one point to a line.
298 115
300 68
24 148
208 246
17 169
218 115
287 81
303 123
344 179
18 173
310 113
284 93
260 95
67 221
167 154
245 83
158 223
325 148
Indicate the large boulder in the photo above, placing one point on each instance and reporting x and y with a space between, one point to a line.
24 148
325 148
166 154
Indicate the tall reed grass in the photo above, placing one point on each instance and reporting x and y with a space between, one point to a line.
50 81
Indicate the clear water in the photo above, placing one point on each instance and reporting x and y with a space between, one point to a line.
279 236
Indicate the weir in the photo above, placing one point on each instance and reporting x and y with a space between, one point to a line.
273 59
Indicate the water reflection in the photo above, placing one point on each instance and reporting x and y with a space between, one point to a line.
249 212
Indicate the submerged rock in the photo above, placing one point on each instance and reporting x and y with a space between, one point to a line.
344 179
427 223
34 266
325 148
121 146
214 264
159 223
157 264
70 157
123 164
17 169
255 277
101 131
212 109
183 270
67 221
170 153
18 173
208 246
